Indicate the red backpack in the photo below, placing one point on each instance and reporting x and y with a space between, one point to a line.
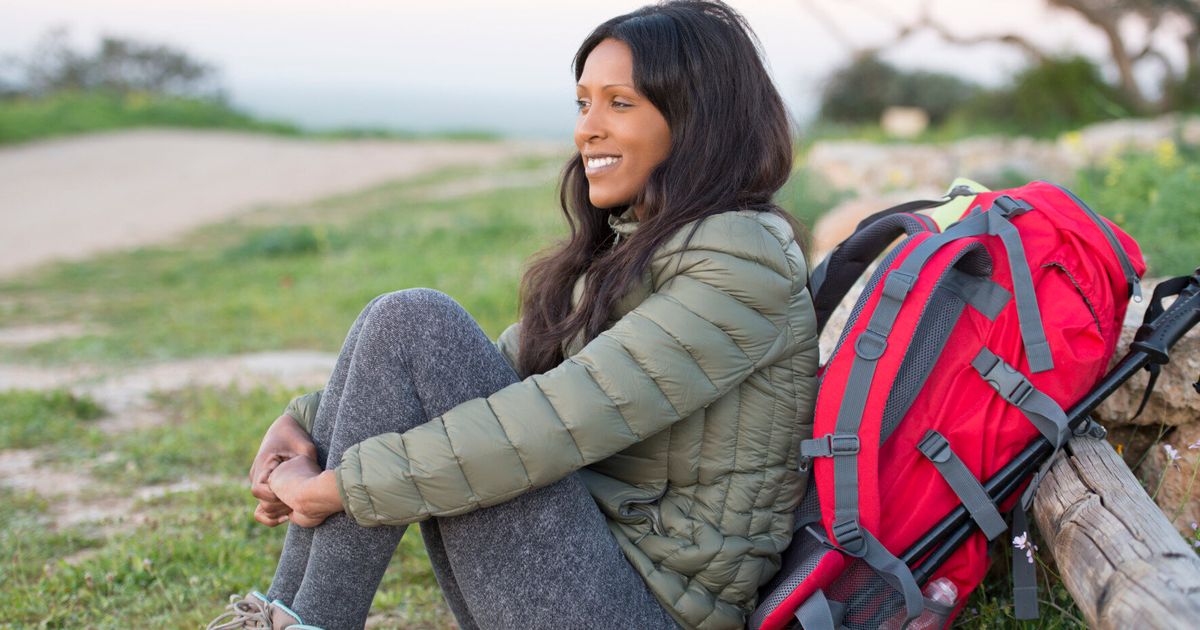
963 348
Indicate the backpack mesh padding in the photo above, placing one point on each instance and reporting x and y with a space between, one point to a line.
941 314
799 560
809 510
869 600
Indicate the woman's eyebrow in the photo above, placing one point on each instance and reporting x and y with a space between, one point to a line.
605 87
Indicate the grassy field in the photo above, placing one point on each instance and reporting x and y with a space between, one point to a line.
23 119
276 279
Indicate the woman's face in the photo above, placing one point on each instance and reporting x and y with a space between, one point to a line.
620 134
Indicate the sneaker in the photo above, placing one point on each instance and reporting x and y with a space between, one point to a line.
256 612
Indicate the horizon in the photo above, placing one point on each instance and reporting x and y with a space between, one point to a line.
367 63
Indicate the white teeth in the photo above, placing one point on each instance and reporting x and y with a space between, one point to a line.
601 162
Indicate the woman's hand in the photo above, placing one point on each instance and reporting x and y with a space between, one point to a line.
284 440
310 492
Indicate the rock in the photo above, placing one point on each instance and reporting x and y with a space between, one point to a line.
904 122
871 168
1176 493
1174 401
992 160
1105 139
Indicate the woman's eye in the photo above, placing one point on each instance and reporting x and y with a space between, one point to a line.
621 105
579 105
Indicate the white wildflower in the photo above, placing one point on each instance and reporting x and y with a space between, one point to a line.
1194 445
1172 455
1023 542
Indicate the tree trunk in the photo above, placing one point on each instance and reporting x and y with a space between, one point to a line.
1124 564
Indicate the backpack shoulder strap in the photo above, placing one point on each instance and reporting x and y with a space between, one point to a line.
832 279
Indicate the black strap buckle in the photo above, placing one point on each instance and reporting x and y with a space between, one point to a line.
898 284
849 537
935 447
1010 207
1008 382
830 445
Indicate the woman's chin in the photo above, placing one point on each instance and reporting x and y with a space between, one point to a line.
607 202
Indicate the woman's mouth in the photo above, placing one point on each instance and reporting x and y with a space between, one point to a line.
601 164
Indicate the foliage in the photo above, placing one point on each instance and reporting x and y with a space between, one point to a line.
862 90
118 64
61 113
57 90
30 418
1047 99
284 240
1153 197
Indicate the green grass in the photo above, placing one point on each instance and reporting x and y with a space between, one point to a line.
31 418
192 549
238 287
65 113
246 286
207 433
991 605
23 119
174 571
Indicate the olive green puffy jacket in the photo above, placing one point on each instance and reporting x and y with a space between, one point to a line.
684 418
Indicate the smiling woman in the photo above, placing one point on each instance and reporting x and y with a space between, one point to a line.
625 456
623 136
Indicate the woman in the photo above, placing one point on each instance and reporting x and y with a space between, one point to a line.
625 455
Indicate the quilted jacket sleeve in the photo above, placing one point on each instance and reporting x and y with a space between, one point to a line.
508 343
717 313
303 409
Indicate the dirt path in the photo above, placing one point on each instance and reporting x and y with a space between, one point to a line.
70 198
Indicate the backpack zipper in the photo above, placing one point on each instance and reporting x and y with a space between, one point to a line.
1135 283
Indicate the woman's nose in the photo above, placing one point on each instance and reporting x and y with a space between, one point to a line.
589 125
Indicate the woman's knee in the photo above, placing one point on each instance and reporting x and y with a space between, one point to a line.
418 306
418 299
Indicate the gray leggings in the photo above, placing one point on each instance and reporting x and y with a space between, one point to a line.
545 559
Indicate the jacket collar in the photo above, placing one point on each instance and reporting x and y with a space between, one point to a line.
623 224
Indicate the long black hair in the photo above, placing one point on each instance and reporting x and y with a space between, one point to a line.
698 63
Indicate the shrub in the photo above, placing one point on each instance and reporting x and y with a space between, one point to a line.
1153 197
1046 99
286 240
859 92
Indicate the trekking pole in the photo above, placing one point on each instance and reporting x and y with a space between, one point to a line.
1151 345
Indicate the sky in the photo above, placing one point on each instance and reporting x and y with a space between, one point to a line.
497 65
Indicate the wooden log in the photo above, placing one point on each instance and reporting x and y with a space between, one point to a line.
1122 561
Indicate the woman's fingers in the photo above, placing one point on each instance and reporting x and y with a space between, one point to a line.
275 509
304 520
268 518
259 475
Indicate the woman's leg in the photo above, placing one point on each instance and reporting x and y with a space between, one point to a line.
329 574
545 559
293 560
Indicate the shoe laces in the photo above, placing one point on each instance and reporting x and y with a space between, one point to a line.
246 612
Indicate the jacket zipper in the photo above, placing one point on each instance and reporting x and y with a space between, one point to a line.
647 508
